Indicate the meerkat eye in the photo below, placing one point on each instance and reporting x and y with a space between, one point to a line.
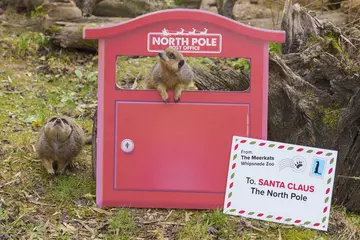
171 56
65 121
52 119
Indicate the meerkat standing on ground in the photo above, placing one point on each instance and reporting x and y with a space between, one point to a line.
171 73
60 140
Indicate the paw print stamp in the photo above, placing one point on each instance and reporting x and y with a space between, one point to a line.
297 164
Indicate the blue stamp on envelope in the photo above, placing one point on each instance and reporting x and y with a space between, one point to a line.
318 167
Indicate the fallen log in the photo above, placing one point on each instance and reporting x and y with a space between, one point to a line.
70 34
66 34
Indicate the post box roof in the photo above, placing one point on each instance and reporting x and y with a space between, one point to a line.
114 30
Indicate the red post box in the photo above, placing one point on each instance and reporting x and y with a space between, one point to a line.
175 155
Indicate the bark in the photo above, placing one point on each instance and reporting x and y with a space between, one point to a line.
299 25
347 187
228 80
326 58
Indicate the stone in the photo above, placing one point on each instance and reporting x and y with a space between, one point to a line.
64 10
209 5
246 11
128 8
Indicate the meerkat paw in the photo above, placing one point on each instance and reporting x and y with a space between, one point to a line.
163 94
164 97
177 99
177 93
165 100
48 164
50 171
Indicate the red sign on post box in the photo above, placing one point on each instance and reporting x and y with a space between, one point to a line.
175 155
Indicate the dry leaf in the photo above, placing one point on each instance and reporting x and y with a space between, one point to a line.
89 196
187 216
46 224
70 228
280 238
99 210
42 204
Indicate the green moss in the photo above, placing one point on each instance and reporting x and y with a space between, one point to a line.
330 116
312 39
54 29
334 42
298 233
275 48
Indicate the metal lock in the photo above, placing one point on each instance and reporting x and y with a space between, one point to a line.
127 145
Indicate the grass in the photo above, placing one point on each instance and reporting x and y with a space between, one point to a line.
122 225
38 81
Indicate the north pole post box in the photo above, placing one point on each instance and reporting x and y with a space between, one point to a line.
175 155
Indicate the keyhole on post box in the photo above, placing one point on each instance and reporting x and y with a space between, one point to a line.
127 145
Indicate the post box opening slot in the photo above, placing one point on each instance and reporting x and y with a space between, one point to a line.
132 70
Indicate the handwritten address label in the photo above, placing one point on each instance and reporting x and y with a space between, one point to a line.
280 182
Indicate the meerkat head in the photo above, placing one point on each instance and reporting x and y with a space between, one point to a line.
58 129
171 59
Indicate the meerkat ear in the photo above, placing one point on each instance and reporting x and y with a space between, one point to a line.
181 63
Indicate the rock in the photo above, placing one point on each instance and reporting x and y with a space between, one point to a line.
65 10
244 11
265 23
209 5
87 7
192 4
128 8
